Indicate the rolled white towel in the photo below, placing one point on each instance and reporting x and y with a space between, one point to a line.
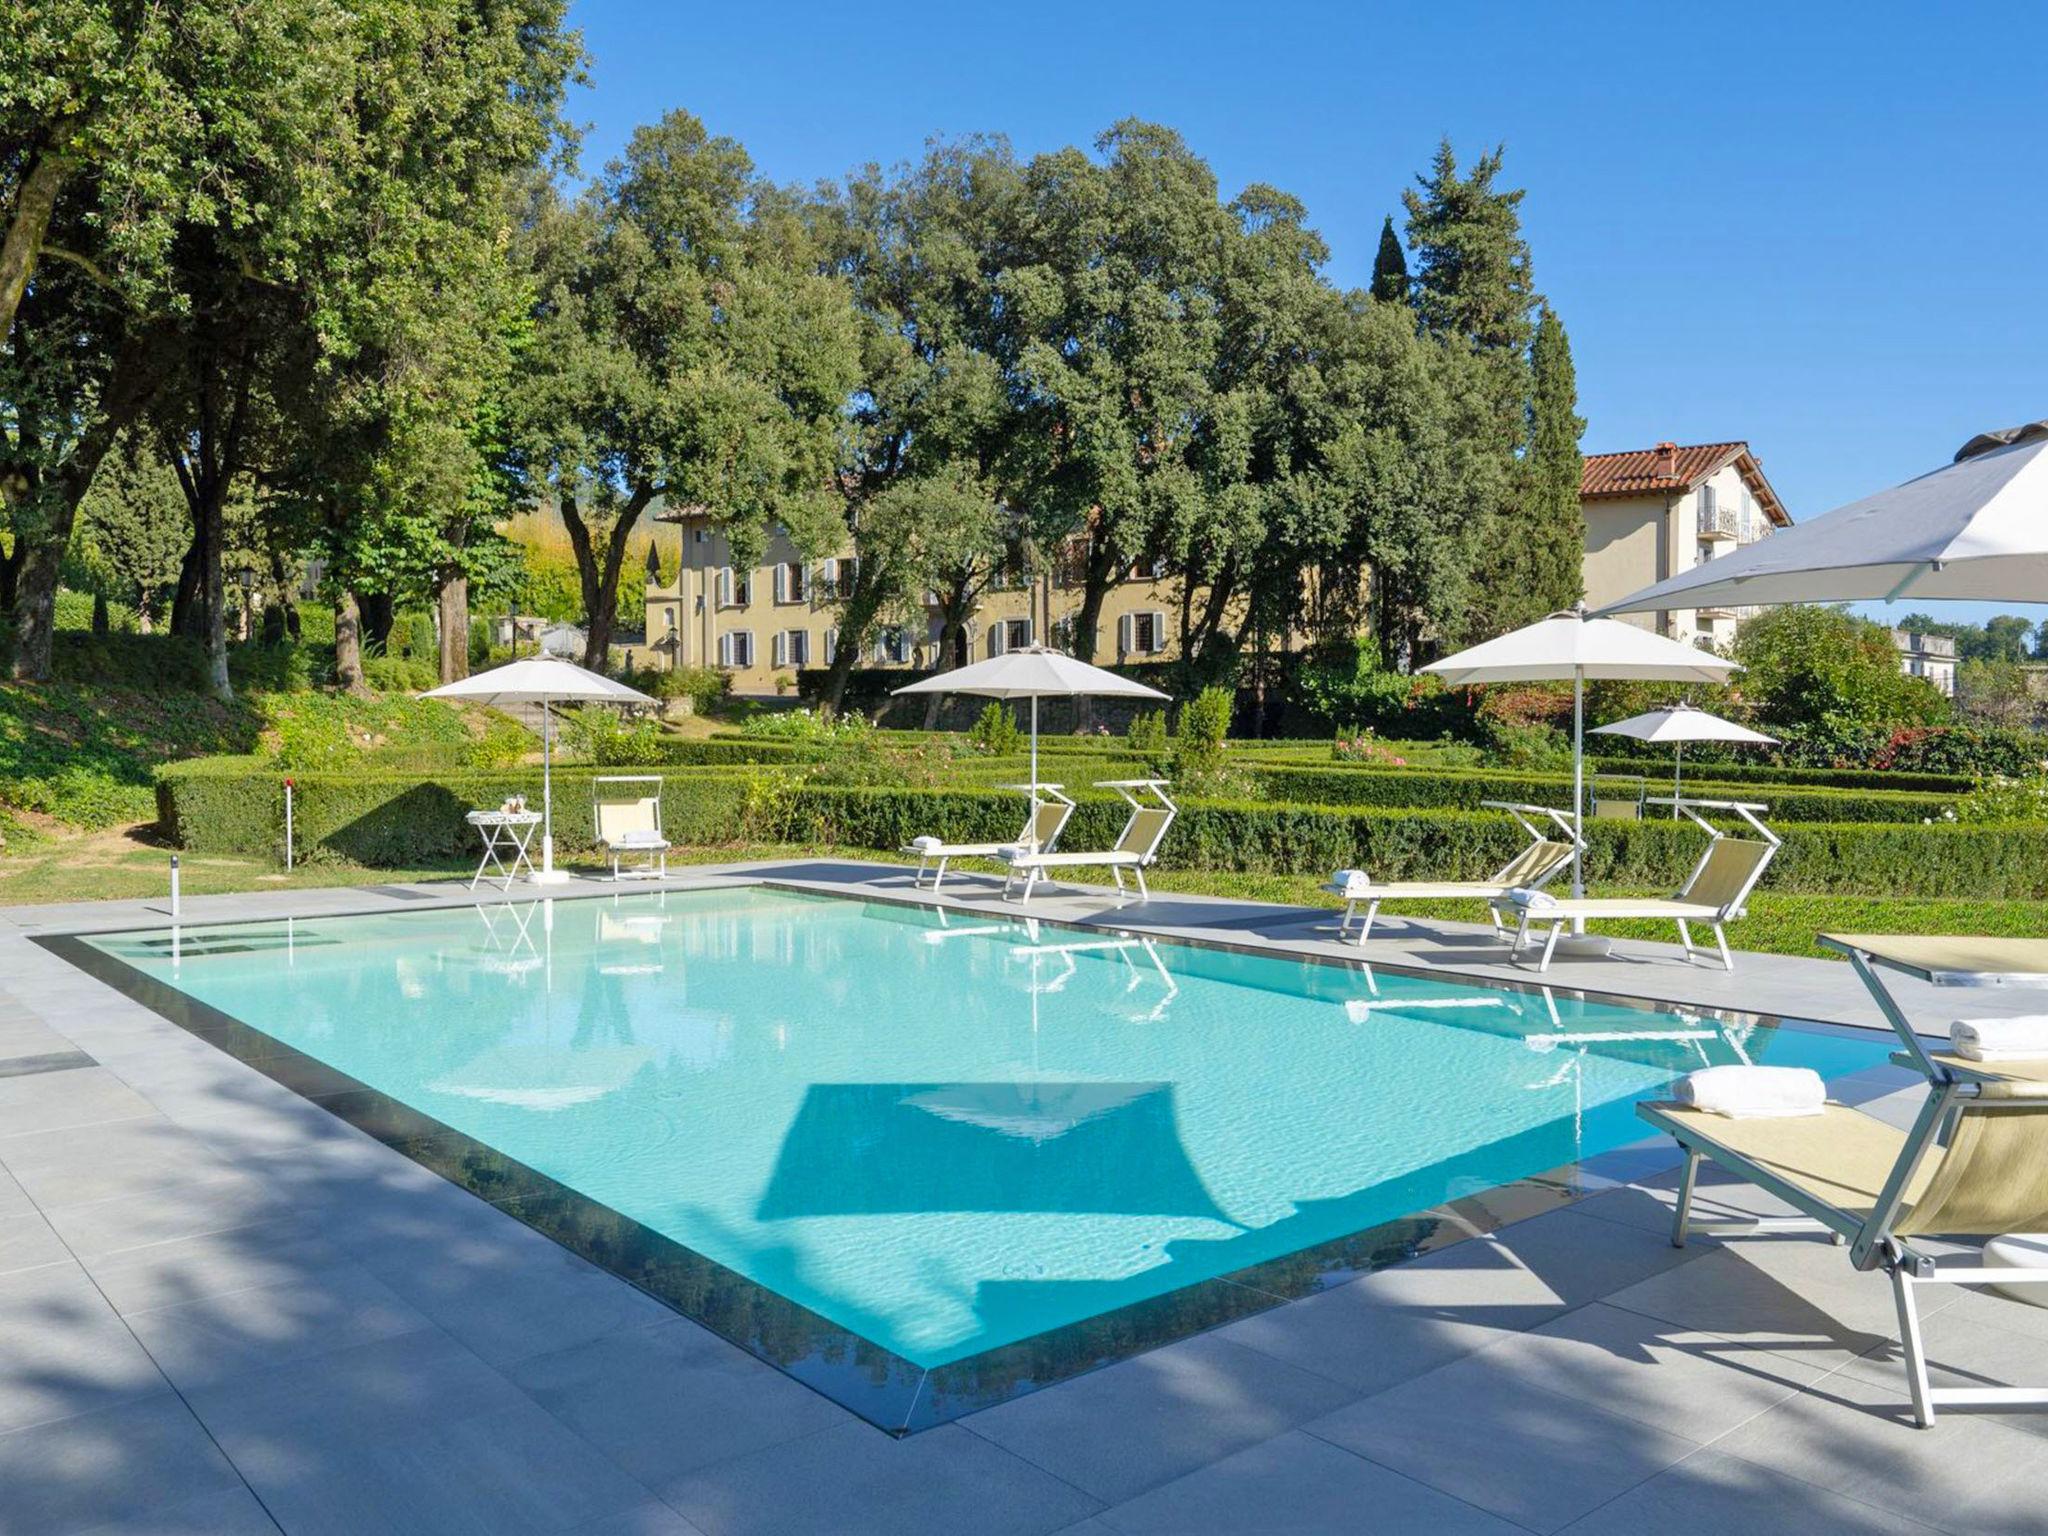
1351 879
2023 1037
1528 896
1753 1093
926 844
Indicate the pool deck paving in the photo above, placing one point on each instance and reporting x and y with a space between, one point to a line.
223 1310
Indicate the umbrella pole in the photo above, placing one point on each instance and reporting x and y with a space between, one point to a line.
1677 780
1579 786
547 792
1034 749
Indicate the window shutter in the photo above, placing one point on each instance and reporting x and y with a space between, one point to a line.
831 575
1158 631
803 583
725 650
746 647
1126 630
781 583
995 639
778 649
831 646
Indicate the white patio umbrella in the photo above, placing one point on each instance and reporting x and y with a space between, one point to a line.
1678 724
545 681
1034 672
1572 646
1976 528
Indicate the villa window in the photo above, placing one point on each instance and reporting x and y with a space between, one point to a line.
792 582
1141 634
736 648
793 648
1153 569
1008 635
892 647
830 648
735 588
840 576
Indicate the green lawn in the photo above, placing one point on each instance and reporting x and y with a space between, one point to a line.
112 866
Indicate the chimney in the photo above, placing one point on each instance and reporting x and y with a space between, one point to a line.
1665 465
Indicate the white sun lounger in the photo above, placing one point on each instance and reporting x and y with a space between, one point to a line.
1974 1164
1714 893
1530 869
1042 828
627 808
1136 847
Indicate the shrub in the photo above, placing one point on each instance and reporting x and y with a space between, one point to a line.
2003 799
1524 745
605 736
1147 738
995 732
1365 748
400 674
705 687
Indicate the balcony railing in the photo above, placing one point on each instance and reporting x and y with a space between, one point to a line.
1721 523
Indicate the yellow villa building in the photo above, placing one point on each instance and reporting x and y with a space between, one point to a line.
765 622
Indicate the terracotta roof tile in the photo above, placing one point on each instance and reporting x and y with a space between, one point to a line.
1674 468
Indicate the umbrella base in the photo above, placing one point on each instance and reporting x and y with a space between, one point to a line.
551 877
1582 946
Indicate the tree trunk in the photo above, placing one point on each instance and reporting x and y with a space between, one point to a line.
185 599
39 555
35 199
452 600
855 621
348 641
1097 579
212 586
598 570
10 576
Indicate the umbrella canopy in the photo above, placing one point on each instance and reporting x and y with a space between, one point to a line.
1975 528
546 681
1571 645
1681 723
1033 672
1678 724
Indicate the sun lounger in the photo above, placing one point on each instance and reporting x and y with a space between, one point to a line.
627 808
1137 847
1714 893
1534 866
1042 828
1973 1165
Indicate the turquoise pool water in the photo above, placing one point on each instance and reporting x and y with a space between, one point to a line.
947 1134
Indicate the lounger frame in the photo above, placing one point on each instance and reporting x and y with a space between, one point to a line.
656 867
1031 867
1871 1240
1480 890
1044 795
1716 918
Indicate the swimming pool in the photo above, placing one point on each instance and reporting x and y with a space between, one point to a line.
931 1158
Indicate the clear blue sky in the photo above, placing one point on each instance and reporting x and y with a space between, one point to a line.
1819 228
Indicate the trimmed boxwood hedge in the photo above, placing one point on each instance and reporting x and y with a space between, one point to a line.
1465 789
236 805
229 805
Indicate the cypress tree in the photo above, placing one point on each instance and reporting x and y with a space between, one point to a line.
1390 267
1472 264
1556 533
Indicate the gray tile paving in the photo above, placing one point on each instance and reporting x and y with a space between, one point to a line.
1293 1485
1731 1497
361 1346
666 1400
1494 1439
1142 1422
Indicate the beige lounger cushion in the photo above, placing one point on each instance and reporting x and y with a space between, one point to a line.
1975 956
1622 906
1070 860
1422 890
1840 1157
